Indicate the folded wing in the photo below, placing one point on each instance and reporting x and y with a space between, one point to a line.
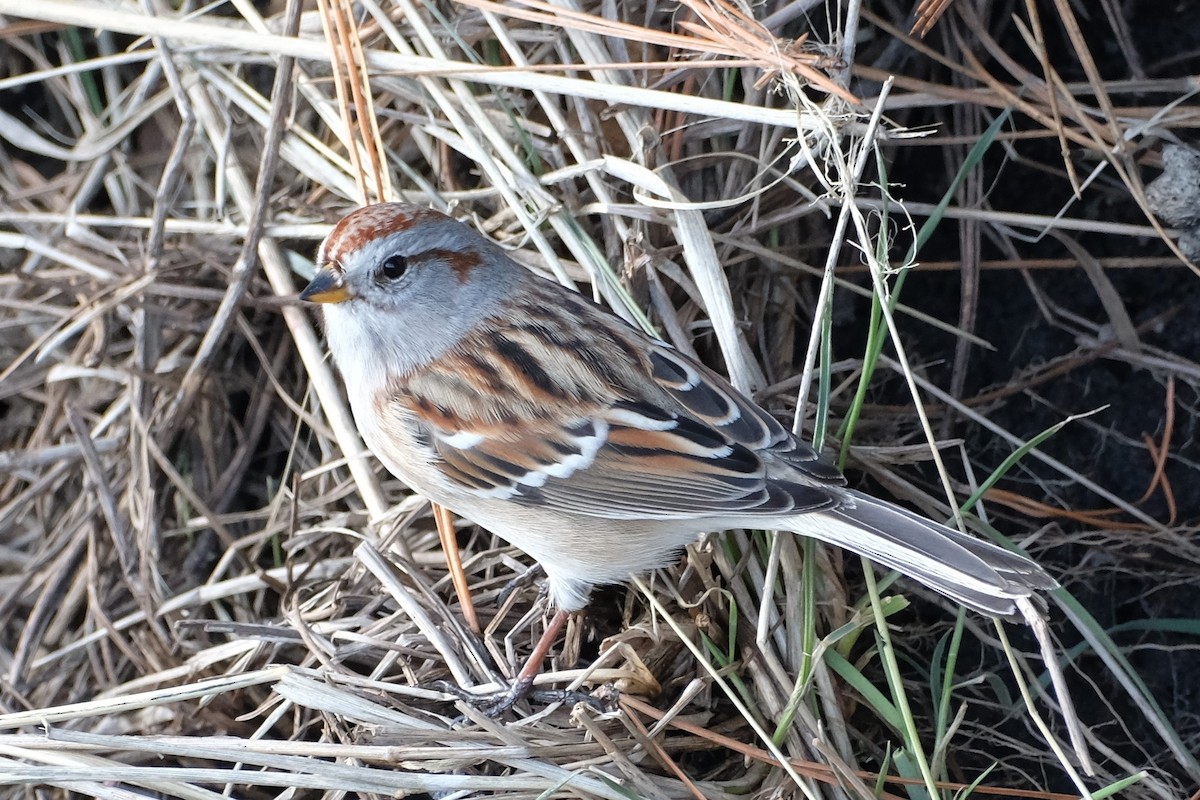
637 433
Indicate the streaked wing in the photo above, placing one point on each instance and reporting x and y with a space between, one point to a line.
636 432
710 399
628 461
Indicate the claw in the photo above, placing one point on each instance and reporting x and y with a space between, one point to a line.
522 581
496 703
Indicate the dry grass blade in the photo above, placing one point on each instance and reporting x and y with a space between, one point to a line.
927 14
725 31
205 582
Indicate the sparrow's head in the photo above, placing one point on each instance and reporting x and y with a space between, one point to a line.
402 284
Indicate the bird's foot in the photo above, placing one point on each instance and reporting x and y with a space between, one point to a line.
523 581
493 704
497 703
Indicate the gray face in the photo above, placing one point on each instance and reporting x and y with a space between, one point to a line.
414 293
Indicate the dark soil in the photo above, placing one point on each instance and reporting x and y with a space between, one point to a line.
1142 586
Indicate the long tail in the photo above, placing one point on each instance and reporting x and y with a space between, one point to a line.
978 574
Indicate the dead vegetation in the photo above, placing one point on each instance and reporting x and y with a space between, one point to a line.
208 589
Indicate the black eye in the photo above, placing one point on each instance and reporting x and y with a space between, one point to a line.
394 267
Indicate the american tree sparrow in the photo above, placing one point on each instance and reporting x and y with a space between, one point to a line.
598 450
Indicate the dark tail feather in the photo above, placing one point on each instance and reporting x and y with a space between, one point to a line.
978 574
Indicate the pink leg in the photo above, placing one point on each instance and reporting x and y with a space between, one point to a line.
502 701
